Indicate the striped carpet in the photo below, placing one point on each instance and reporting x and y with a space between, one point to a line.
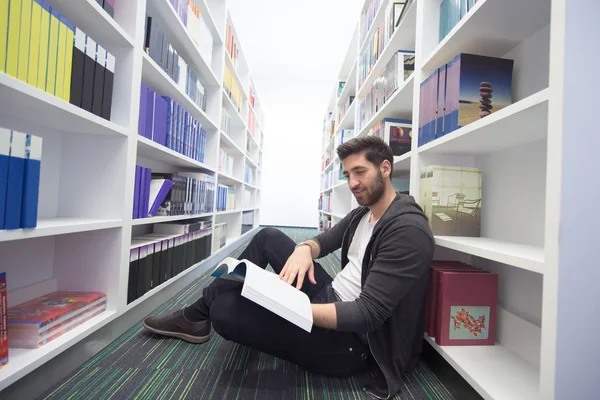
143 366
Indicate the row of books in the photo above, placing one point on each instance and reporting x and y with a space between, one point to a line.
149 193
196 26
460 305
38 322
464 90
397 133
220 235
20 166
328 159
397 71
450 197
343 136
168 251
379 39
41 47
368 17
325 202
167 123
252 122
225 122
164 54
324 223
247 200
226 197
225 162
232 89
451 12
247 221
231 44
344 109
327 179
191 195
249 174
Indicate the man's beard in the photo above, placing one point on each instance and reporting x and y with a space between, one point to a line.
376 192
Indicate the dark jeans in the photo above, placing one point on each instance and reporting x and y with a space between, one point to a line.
240 320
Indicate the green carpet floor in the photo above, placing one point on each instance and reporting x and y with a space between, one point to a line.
140 365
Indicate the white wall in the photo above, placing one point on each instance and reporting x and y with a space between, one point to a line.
294 51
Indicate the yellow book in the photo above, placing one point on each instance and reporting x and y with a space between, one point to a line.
14 23
3 33
60 62
43 56
34 44
52 54
24 40
68 64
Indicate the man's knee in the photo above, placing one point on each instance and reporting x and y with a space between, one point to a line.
269 232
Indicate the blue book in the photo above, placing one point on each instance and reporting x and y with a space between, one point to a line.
148 178
169 121
14 186
143 109
439 132
141 203
449 101
149 114
136 192
4 158
31 181
159 133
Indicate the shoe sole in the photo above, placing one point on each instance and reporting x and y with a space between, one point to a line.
182 336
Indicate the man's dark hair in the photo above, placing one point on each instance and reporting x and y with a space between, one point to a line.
375 149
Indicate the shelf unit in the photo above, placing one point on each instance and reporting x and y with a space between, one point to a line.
85 226
520 151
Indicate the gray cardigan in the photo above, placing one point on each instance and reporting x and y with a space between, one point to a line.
395 270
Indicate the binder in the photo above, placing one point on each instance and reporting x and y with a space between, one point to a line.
149 268
61 56
4 159
70 34
24 35
170 250
14 184
88 74
12 45
3 35
163 272
44 44
31 181
159 132
143 109
136 192
97 92
107 95
52 53
141 203
79 56
34 43
140 286
134 255
149 113
156 264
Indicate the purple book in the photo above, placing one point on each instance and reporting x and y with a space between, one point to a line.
161 195
136 192
146 192
141 191
160 120
143 101
149 113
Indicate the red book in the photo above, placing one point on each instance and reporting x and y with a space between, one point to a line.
3 322
466 308
432 291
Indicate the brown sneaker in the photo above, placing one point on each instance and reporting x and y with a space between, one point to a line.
176 325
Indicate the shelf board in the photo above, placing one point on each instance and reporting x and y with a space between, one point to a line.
340 216
228 143
236 74
251 186
228 179
526 257
59 226
520 123
210 21
327 168
403 38
347 121
237 121
349 86
484 31
398 106
157 79
336 186
153 151
175 31
23 361
28 109
227 212
402 163
255 165
249 209
91 18
326 212
254 139
170 218
493 371
328 146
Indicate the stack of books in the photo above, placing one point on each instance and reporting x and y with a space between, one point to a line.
226 197
190 195
42 48
167 123
150 193
20 166
464 90
220 235
171 249
40 321
451 12
397 133
460 306
225 162
232 89
249 175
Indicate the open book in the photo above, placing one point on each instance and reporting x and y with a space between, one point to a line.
267 290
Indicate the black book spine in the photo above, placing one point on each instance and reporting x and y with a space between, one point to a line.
148 34
156 265
100 60
107 93
148 269
164 57
176 252
208 246
141 281
133 275
77 68
88 74
170 259
164 276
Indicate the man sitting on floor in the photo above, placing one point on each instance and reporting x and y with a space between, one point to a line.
373 308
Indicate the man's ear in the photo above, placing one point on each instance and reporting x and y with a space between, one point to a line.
386 168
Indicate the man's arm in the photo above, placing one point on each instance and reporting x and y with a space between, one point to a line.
324 315
331 240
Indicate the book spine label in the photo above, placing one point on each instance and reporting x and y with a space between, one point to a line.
31 181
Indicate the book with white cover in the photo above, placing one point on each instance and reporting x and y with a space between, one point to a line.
267 290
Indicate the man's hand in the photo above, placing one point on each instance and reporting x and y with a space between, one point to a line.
299 263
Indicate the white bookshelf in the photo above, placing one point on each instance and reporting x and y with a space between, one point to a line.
85 224
519 150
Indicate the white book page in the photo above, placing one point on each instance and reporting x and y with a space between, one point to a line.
268 290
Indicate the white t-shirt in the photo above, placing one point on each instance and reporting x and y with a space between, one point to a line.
347 283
